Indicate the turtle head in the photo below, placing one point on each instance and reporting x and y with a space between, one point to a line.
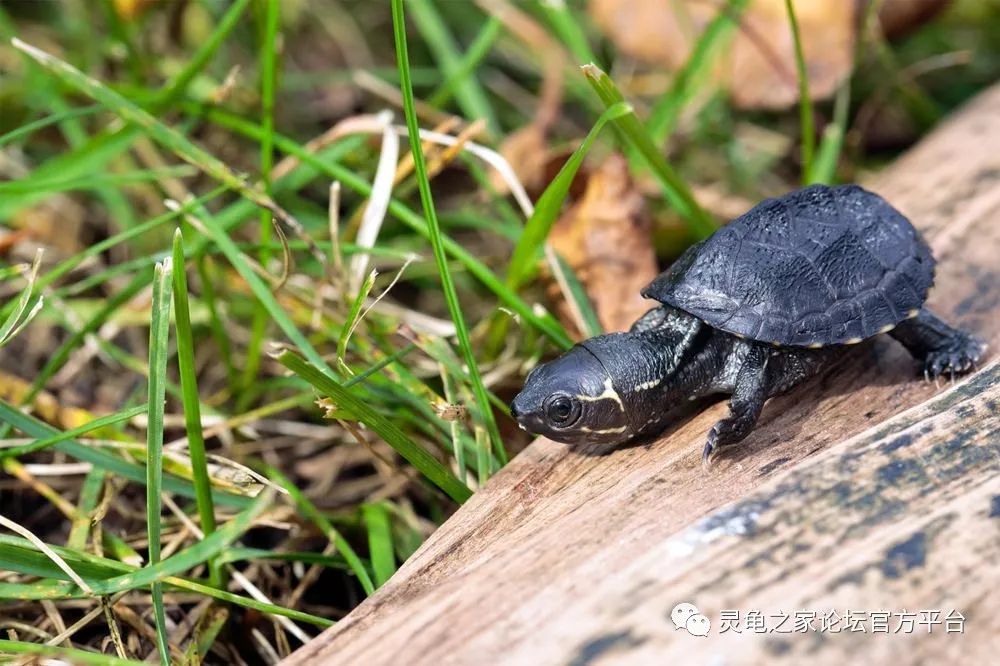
572 400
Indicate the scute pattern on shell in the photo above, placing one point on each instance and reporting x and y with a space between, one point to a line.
819 266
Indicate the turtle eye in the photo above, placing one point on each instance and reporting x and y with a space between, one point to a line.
562 410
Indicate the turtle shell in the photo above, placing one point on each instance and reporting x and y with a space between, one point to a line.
819 266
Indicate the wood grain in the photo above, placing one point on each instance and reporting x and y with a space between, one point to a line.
865 489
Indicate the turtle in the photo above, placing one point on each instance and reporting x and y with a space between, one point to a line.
767 301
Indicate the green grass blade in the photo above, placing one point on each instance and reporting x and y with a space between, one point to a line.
423 461
468 93
106 576
579 294
451 369
63 654
326 527
204 635
434 229
384 362
190 401
353 315
376 518
166 136
663 117
477 51
93 156
524 258
567 27
246 602
110 577
482 456
71 263
91 181
260 290
58 589
529 246
268 81
805 103
159 338
20 555
20 314
240 554
61 354
42 123
454 427
96 424
32 427
190 557
699 223
205 52
90 494
824 167
89 158
206 275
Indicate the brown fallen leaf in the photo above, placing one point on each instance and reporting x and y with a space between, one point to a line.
827 28
606 238
660 32
758 68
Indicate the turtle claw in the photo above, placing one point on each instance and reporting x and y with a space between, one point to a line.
709 450
958 357
712 445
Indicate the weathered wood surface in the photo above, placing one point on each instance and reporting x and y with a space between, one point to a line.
864 490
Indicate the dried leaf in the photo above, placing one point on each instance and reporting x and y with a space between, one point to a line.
827 28
758 69
606 239
653 31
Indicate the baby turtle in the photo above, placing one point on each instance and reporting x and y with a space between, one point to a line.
764 303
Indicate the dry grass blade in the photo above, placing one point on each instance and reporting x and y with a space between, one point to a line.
49 553
378 202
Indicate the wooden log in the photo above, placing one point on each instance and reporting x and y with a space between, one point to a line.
867 489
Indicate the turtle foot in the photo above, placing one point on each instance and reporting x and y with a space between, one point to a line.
958 356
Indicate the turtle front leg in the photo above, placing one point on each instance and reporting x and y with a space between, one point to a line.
940 347
750 392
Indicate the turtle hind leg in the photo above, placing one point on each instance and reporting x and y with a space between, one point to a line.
941 348
752 387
